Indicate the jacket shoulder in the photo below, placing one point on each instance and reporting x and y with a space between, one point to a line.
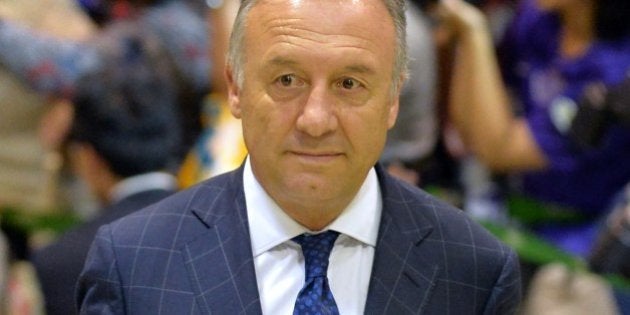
179 216
451 223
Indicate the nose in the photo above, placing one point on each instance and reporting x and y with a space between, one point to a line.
318 116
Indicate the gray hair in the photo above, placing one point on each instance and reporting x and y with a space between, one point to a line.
395 8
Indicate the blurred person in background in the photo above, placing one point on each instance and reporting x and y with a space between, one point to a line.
220 147
412 140
29 136
30 162
54 67
124 138
552 53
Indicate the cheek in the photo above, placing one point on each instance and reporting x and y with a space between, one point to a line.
366 130
266 124
256 129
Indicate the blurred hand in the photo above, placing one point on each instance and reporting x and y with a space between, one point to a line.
460 17
555 290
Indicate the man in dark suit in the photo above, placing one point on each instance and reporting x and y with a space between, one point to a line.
121 144
308 224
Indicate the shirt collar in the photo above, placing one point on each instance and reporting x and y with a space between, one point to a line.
270 226
142 182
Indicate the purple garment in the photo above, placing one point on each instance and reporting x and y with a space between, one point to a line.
549 86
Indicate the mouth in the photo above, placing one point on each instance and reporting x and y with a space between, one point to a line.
316 157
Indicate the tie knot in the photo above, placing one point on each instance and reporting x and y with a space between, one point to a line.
316 249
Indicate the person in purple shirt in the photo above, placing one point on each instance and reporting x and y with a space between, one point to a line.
553 51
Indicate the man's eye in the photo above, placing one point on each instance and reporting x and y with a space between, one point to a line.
349 83
286 80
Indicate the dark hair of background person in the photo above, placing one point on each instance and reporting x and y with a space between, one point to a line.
190 97
612 19
126 109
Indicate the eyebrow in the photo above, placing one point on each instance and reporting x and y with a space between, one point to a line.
356 68
281 61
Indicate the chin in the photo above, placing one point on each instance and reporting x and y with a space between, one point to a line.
312 185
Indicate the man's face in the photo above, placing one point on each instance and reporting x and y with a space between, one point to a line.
316 100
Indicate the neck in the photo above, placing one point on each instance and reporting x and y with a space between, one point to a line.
577 28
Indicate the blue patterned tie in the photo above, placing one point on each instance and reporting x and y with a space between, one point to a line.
316 297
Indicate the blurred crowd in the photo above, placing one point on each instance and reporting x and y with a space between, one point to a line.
516 111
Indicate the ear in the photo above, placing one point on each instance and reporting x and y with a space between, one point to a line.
233 92
393 112
88 161
92 168
395 105
85 156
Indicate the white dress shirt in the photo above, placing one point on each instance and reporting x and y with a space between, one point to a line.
279 262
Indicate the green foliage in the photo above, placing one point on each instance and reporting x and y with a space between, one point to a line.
530 211
537 251
28 222
531 248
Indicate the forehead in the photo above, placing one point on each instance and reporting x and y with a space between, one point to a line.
352 24
372 13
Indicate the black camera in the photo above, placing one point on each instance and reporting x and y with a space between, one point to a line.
599 109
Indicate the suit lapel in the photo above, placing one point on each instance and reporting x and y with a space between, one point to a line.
403 274
219 261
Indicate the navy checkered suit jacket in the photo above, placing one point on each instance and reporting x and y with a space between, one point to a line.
191 254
